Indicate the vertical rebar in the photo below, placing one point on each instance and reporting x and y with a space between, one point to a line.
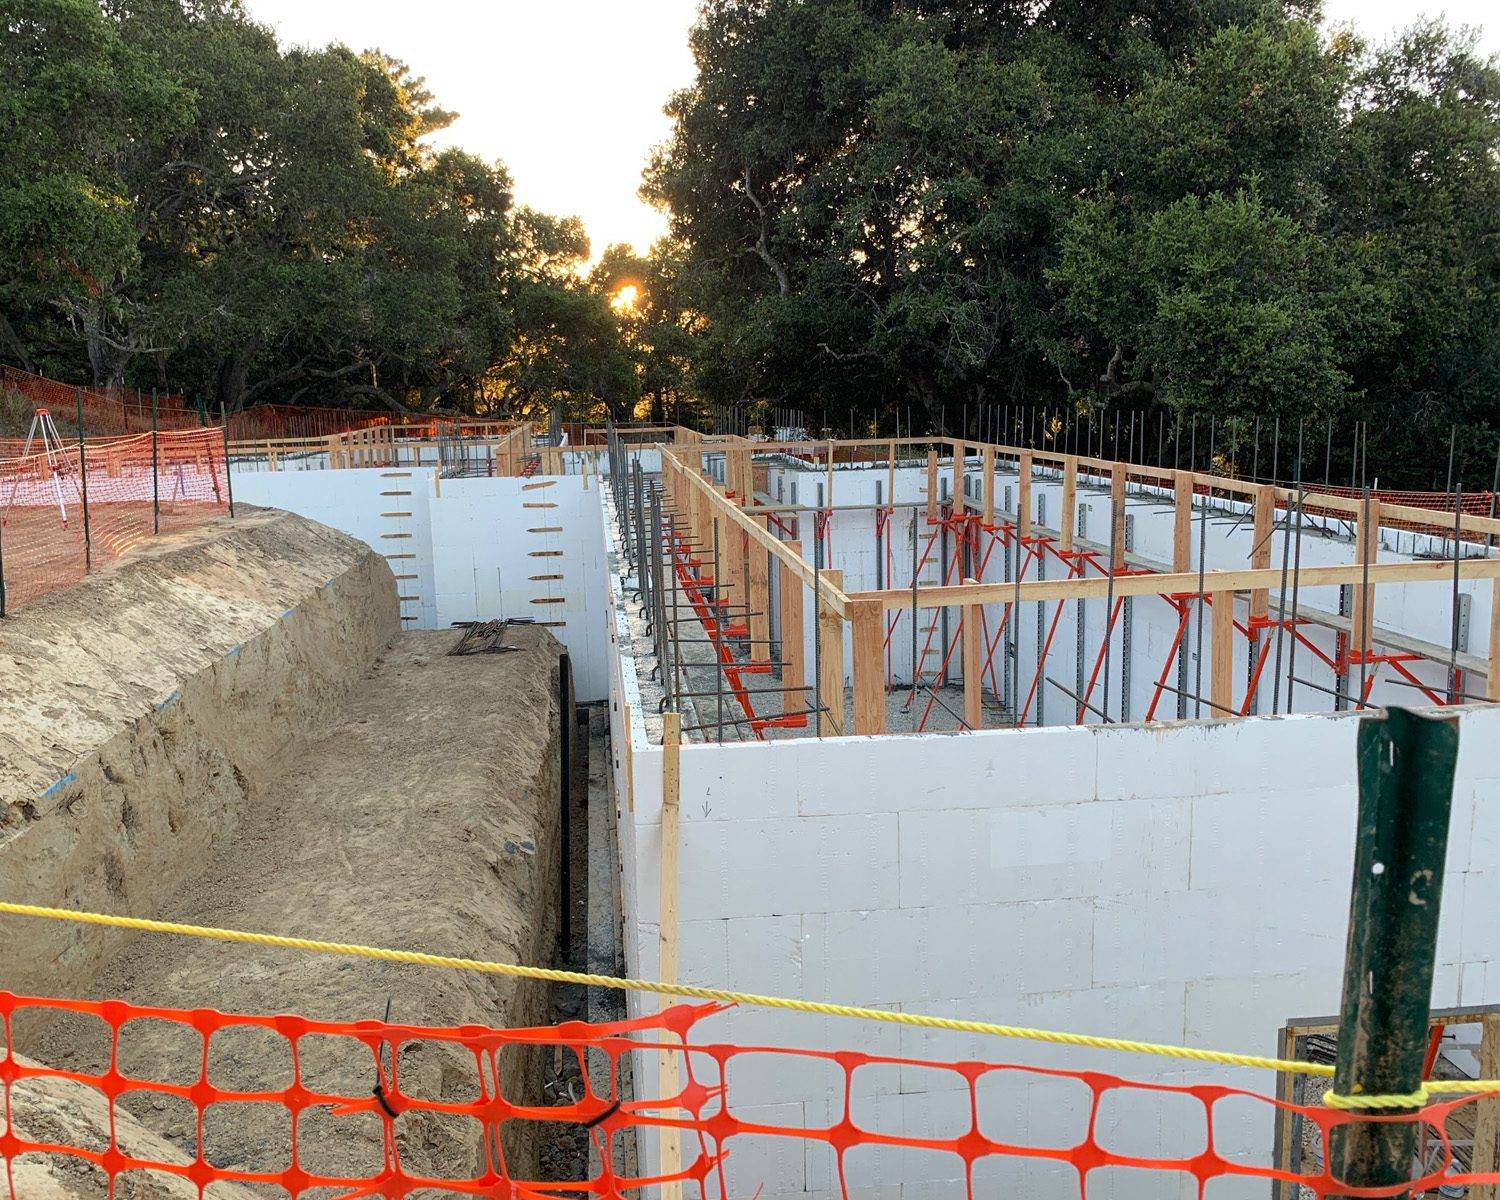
1366 608
715 643
676 638
1291 666
637 538
1198 633
1286 558
817 628
1452 449
1109 608
1489 538
1015 627
1458 510
914 540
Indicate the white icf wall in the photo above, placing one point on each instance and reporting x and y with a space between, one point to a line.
1186 884
471 549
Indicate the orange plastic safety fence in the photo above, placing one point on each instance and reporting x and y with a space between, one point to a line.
1477 504
115 412
1007 1128
134 486
269 421
106 413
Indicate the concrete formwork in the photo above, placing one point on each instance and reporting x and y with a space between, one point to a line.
470 549
1181 883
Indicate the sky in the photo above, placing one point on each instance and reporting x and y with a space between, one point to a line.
569 93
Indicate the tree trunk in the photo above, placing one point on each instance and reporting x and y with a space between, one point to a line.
12 342
107 359
233 379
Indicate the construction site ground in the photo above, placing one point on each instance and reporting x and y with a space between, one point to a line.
420 811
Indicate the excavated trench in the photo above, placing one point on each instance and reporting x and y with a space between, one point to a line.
229 729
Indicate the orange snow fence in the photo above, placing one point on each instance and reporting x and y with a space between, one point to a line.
987 1143
64 512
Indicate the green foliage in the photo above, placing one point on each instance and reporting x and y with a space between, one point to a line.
657 331
191 202
1213 208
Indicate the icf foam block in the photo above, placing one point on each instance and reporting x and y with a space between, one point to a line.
915 955
1097 848
780 865
1145 1012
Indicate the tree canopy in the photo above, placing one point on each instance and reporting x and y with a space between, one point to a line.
1218 209
184 202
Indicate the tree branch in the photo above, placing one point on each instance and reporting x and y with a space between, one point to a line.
763 242
847 355
370 389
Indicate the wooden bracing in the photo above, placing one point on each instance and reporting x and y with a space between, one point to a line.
1093 573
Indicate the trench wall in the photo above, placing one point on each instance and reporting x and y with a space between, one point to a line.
1185 884
470 549
143 705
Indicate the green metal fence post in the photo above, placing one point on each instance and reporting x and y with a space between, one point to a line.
83 476
1406 764
155 472
224 429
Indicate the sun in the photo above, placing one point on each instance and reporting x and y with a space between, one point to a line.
624 300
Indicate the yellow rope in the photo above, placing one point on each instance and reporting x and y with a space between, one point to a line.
686 991
1416 1099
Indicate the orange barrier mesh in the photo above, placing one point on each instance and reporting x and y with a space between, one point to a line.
1476 504
266 421
981 1148
118 411
45 542
105 413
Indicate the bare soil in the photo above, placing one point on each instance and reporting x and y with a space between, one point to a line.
423 815
141 710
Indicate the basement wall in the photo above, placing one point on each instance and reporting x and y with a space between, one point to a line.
471 549
1186 884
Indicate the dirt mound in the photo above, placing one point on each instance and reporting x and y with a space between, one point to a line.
140 707
422 815
64 1113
